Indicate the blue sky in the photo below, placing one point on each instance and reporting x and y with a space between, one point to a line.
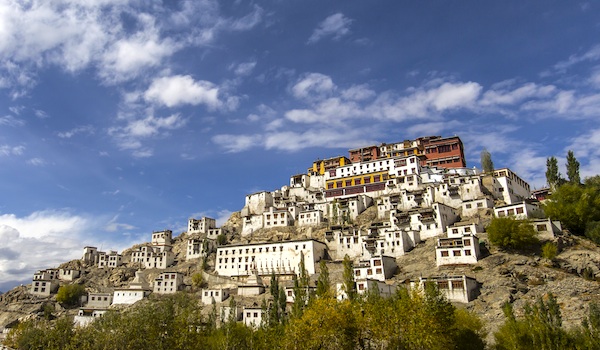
122 117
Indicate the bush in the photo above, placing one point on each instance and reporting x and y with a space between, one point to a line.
592 231
508 233
197 280
70 294
549 251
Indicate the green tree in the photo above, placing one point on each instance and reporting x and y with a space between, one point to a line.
575 206
349 286
221 239
509 233
552 175
197 280
486 161
323 282
540 327
573 168
70 294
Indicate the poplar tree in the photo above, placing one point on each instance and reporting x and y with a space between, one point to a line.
552 174
323 283
573 168
486 161
348 278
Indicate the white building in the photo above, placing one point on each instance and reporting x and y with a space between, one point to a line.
253 286
520 210
153 256
276 257
201 225
311 218
472 207
111 259
168 282
90 255
513 188
385 290
277 218
253 316
68 274
199 247
460 289
214 295
86 316
99 300
290 294
377 268
429 222
138 289
161 238
457 249
45 282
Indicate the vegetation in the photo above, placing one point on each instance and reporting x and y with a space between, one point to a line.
197 280
509 233
406 320
573 169
553 177
348 284
549 251
577 207
486 161
70 294
541 328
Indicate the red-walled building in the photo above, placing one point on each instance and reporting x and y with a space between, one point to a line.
443 152
364 154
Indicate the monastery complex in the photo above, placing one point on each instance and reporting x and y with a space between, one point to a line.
419 189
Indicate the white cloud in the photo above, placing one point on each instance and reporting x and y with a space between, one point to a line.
592 54
313 85
113 225
6 150
84 129
243 69
335 26
511 97
586 148
9 120
247 22
324 138
358 93
329 111
237 143
36 162
182 89
45 239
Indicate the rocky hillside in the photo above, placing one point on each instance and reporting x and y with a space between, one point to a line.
502 276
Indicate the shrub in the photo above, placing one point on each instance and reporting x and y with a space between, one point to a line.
592 231
197 280
549 251
70 294
508 233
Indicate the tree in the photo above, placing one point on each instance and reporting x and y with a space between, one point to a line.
323 283
549 250
348 278
573 168
577 207
197 280
509 233
540 328
69 294
486 161
552 174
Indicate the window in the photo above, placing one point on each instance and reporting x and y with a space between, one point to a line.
456 252
444 253
468 252
541 227
519 210
467 242
458 285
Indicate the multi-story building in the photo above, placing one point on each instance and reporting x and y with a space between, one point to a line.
153 257
513 189
429 222
322 166
444 152
520 210
377 268
198 247
168 282
90 255
68 274
45 282
201 225
280 258
252 316
312 217
111 259
460 247
364 154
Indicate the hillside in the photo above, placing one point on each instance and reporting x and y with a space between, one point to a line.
502 276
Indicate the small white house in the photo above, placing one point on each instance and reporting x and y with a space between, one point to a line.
138 289
99 300
86 316
43 288
111 259
457 250
312 217
68 274
201 225
214 295
252 316
377 268
168 282
520 210
385 290
460 289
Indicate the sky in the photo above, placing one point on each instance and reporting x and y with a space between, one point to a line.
123 117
